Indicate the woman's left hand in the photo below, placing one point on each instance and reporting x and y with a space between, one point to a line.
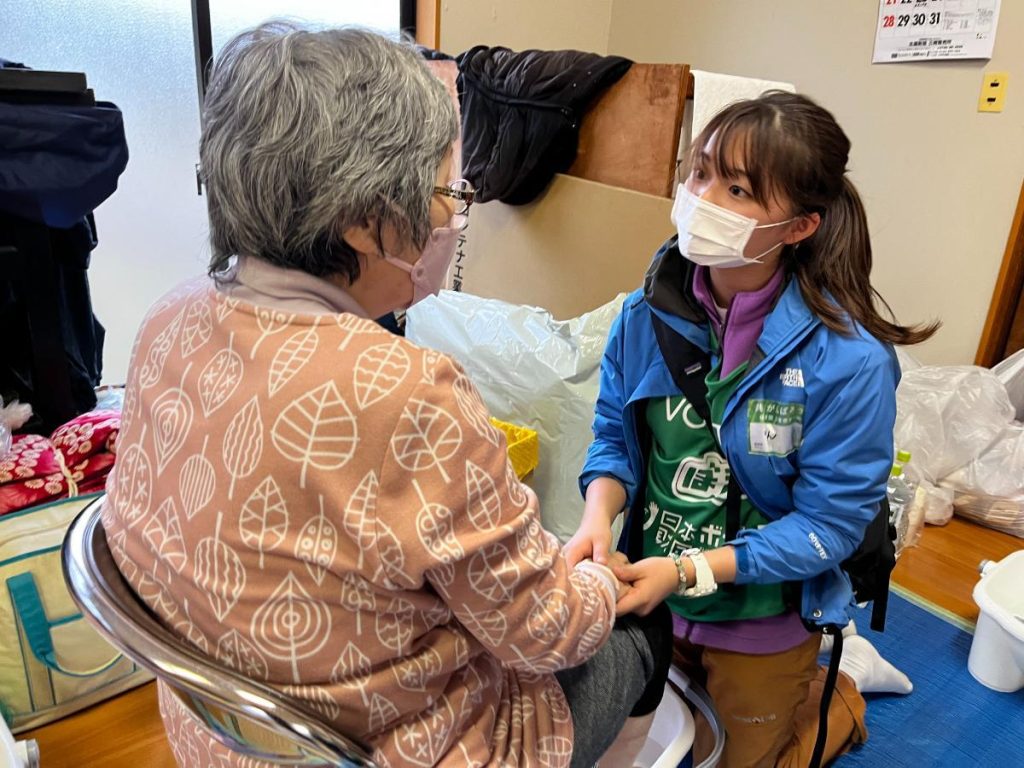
652 580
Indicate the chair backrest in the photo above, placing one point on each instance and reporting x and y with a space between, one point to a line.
219 696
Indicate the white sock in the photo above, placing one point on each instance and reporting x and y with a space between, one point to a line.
828 640
869 671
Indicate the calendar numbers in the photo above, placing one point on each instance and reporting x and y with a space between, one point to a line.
911 30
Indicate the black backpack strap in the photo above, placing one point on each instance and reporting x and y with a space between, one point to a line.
689 365
879 605
826 694
732 508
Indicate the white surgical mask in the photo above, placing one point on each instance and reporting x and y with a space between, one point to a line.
713 236
431 269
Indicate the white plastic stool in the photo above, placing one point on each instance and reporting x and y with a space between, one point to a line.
671 735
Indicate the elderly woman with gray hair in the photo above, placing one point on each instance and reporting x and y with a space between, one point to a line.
323 505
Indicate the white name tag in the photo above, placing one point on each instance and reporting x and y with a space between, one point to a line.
775 439
775 428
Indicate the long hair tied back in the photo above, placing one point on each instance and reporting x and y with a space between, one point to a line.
792 148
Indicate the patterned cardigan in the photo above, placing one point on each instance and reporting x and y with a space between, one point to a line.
325 507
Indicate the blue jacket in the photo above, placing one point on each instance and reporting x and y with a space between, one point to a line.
820 481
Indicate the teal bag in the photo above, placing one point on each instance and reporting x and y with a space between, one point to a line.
52 662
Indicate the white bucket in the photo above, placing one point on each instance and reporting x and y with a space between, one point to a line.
997 651
671 734
16 754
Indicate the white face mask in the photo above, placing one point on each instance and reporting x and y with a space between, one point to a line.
430 270
713 236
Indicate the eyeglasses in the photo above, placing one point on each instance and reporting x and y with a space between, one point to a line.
461 191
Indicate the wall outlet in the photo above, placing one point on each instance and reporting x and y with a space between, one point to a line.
993 92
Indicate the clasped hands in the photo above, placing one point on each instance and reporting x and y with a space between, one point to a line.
641 585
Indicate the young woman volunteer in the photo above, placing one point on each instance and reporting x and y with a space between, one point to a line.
770 275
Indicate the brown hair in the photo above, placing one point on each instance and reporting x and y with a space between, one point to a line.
792 148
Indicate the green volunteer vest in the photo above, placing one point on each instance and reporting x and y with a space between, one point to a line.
687 484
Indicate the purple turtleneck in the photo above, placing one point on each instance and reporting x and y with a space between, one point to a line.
739 331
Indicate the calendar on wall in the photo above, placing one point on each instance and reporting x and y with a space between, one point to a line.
930 30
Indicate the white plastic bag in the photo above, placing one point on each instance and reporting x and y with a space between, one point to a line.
958 422
906 360
936 503
990 489
1011 373
947 416
531 370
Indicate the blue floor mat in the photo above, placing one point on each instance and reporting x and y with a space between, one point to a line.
950 719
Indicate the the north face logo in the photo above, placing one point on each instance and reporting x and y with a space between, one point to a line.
793 377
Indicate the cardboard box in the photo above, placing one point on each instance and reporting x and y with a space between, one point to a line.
573 249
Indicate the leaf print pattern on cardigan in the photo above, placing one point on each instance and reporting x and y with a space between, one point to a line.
172 419
317 430
429 607
163 532
243 443
220 377
198 327
196 482
263 523
379 370
317 545
291 358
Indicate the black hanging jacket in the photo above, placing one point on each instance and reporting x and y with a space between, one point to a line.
57 163
521 114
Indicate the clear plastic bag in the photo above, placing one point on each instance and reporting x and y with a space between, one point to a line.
12 416
959 423
531 370
936 503
916 517
990 489
949 415
906 360
1011 373
1005 515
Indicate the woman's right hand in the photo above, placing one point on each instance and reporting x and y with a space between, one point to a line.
650 581
593 540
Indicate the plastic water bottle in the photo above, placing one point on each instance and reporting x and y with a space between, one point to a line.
903 459
900 496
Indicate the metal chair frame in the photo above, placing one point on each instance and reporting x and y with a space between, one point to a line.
119 615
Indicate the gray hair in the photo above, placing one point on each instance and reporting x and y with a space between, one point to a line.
306 133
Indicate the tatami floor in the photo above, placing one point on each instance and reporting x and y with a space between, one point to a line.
125 732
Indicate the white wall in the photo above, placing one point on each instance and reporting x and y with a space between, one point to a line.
940 181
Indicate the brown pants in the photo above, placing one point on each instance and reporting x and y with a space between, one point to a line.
768 705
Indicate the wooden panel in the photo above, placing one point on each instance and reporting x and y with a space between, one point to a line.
943 567
571 250
1015 338
428 23
1006 297
630 136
